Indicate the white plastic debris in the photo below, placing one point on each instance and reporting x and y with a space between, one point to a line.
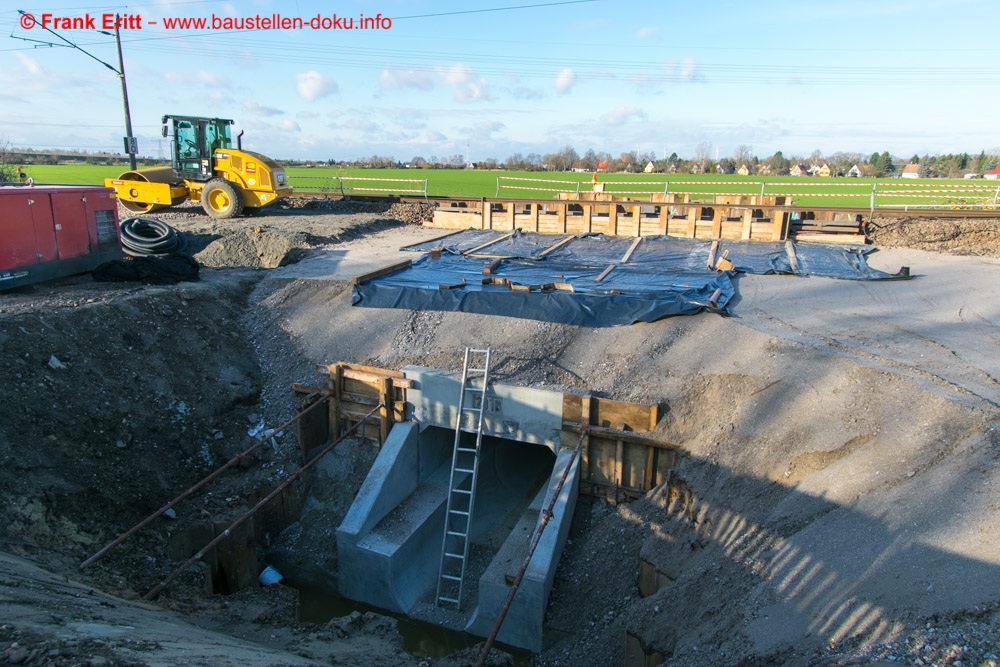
55 364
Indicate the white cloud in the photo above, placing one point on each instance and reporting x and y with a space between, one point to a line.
361 125
214 79
289 125
646 33
685 73
258 109
689 69
307 114
30 65
405 78
465 84
622 115
488 127
565 80
312 85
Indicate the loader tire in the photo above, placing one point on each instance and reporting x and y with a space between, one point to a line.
221 200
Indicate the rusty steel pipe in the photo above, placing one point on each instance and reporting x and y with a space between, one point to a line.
535 539
263 501
233 461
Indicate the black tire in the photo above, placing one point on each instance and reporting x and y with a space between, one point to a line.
221 200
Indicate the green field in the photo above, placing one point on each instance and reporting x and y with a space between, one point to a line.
819 192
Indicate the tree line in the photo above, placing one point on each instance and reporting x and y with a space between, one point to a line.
705 161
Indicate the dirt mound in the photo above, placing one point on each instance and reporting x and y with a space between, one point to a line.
254 249
956 236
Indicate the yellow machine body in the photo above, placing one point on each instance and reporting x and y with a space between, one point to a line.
205 168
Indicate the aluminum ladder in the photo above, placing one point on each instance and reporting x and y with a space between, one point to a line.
462 484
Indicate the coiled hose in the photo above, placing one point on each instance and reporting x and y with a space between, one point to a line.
148 236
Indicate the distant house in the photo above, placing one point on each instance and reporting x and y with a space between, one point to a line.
649 168
743 170
799 170
855 172
993 174
578 167
911 171
822 172
602 166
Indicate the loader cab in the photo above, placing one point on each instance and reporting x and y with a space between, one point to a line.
194 141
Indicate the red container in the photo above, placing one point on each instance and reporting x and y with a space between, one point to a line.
53 231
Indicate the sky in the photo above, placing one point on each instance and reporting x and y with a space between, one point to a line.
494 78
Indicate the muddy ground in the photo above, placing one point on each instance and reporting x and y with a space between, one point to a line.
838 504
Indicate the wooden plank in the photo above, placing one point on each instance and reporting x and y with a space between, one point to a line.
435 239
664 220
631 249
555 246
487 221
379 273
604 273
711 255
692 220
534 217
562 218
793 260
612 229
489 243
600 435
588 218
492 266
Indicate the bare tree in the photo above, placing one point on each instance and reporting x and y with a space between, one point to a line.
743 155
703 155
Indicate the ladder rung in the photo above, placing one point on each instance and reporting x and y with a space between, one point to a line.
457 534
464 470
459 512
451 555
465 491
451 577
444 599
466 449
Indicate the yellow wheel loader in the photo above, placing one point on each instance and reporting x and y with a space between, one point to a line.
204 168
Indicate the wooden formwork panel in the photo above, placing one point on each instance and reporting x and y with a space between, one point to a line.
605 413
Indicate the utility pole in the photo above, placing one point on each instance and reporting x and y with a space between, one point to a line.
131 145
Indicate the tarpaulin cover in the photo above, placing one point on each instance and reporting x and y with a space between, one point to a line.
590 280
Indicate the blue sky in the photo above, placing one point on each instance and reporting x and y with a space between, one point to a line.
522 76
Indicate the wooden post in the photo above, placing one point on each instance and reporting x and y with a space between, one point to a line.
512 212
649 481
338 383
692 219
487 215
562 217
778 225
534 217
747 224
637 219
385 412
588 216
619 454
612 220
717 222
664 219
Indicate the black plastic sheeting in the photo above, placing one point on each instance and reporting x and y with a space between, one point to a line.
537 278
